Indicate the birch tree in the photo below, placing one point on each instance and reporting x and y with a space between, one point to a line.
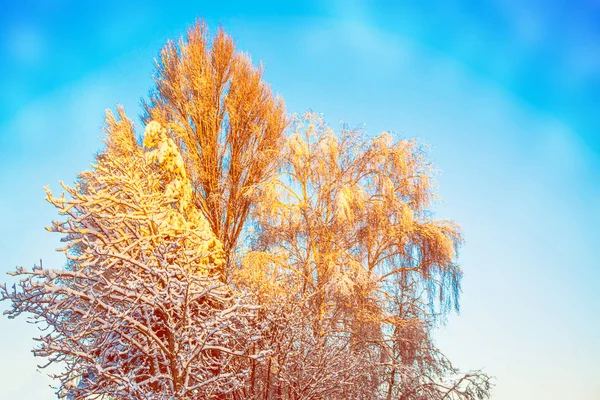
348 221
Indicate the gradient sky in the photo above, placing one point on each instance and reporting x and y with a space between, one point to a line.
507 94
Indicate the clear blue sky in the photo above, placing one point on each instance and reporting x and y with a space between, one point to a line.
507 94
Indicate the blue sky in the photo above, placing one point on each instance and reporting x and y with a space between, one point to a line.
507 94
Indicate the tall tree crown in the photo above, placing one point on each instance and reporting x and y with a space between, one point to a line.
225 120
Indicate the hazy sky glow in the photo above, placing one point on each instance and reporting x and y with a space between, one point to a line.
507 95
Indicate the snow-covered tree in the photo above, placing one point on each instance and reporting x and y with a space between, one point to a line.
140 311
333 296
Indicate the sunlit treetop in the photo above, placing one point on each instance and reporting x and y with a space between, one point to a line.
225 121
137 195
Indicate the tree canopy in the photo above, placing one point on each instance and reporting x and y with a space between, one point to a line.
341 275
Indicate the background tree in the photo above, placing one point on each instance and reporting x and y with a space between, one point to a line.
141 313
225 121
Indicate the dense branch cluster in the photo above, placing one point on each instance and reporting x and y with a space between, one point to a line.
140 312
224 257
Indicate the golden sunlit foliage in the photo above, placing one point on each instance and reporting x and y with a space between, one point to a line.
224 119
350 209
148 184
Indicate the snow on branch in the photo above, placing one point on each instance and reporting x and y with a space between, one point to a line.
140 312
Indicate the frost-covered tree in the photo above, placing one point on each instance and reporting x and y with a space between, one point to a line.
140 312
343 279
